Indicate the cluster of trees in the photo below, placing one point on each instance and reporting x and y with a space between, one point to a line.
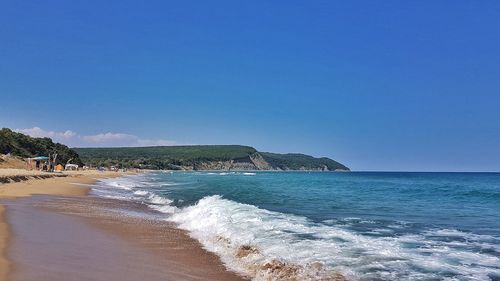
25 146
162 157
296 161
175 157
156 157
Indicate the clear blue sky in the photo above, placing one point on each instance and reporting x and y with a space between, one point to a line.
377 85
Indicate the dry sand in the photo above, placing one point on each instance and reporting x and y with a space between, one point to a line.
54 185
11 162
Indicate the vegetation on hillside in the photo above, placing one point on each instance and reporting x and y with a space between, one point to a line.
296 161
162 157
178 157
25 146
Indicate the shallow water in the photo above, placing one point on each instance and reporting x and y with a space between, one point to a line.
368 226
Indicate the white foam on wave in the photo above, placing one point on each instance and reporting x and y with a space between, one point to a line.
158 200
167 209
131 188
120 185
141 192
124 183
117 197
169 184
270 245
315 250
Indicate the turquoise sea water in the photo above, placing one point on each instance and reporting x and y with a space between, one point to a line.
365 225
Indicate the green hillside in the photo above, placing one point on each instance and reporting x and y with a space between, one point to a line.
296 161
25 146
162 157
203 157
193 157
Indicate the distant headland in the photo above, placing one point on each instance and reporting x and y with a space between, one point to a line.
192 157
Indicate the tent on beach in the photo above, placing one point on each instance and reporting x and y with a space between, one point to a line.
39 160
71 167
59 168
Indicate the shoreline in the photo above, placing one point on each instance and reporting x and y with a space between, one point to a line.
32 183
175 255
4 242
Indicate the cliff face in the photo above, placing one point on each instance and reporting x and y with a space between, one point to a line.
301 162
249 163
254 162
260 163
204 157
222 165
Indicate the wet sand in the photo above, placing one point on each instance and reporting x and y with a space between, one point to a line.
4 263
98 239
88 238
31 185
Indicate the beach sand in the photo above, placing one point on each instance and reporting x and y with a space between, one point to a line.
57 184
70 236
4 263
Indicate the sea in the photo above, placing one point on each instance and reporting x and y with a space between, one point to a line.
323 225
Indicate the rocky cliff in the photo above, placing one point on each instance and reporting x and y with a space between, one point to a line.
204 157
256 162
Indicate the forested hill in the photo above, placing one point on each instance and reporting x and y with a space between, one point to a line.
297 161
25 146
193 157
204 157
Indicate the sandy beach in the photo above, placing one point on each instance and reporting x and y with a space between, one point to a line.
49 230
33 182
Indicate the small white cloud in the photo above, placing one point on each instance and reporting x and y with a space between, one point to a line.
40 133
109 137
68 134
159 142
73 139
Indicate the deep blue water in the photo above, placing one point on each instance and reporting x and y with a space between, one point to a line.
367 225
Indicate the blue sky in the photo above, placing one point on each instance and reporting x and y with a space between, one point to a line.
377 85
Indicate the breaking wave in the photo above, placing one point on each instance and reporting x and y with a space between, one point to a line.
265 245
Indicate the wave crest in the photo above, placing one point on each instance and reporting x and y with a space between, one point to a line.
270 245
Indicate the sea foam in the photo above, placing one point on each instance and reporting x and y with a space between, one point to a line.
268 245
311 250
